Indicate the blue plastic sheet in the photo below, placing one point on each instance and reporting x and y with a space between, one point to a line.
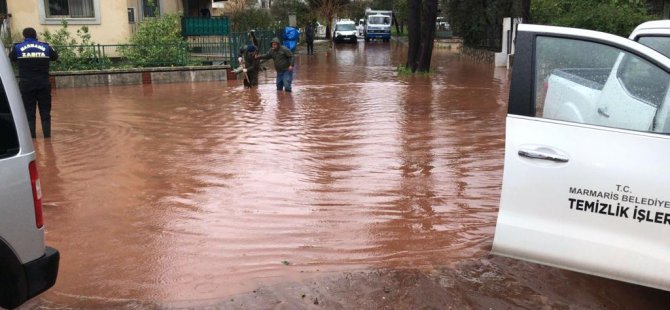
291 36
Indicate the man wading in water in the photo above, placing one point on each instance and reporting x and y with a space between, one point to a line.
283 59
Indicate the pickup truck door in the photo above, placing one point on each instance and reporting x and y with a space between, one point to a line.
630 97
579 195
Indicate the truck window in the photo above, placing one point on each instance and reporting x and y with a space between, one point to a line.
380 20
660 44
585 63
9 142
643 80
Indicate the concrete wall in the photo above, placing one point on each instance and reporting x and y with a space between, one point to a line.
139 76
478 55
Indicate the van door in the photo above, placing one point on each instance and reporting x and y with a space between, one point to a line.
586 197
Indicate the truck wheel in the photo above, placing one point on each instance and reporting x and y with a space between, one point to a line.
12 280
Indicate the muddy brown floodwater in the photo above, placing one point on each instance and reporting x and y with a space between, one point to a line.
361 189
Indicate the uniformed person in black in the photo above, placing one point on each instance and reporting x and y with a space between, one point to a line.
33 58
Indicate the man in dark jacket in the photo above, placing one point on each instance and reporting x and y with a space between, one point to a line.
283 60
309 37
33 58
251 66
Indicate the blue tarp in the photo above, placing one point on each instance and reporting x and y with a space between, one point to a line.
291 36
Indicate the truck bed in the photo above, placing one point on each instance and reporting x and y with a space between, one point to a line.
590 77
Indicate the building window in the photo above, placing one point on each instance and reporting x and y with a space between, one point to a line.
53 12
70 8
151 8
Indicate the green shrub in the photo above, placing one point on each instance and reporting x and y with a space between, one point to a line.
252 18
157 42
8 39
617 17
74 52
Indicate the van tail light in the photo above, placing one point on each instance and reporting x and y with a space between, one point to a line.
37 194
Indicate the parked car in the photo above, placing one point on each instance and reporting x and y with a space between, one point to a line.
319 30
586 171
345 31
441 24
655 34
27 266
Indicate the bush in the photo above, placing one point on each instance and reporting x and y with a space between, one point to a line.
157 42
8 39
616 17
479 23
253 18
74 53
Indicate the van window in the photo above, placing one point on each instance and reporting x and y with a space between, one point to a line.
345 27
9 141
574 83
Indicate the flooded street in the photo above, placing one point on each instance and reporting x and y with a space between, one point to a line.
361 189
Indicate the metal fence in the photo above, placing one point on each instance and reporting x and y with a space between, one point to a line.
99 56
240 39
205 26
196 50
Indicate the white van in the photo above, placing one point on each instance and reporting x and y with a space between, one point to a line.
345 31
590 193
27 266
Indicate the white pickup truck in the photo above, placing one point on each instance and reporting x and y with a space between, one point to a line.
587 174
620 92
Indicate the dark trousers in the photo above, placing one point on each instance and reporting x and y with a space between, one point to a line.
253 78
37 94
310 47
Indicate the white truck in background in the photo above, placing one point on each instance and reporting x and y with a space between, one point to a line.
377 25
624 95
587 133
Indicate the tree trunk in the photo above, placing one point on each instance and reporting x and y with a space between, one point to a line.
413 33
427 34
398 27
525 11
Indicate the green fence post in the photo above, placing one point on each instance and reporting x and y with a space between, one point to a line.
184 53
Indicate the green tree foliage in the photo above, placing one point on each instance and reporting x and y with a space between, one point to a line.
354 10
77 52
9 38
400 14
382 4
479 23
328 9
157 42
282 8
252 18
614 16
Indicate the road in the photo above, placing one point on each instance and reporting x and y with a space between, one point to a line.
361 189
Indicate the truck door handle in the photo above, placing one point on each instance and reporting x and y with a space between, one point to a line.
543 156
602 112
